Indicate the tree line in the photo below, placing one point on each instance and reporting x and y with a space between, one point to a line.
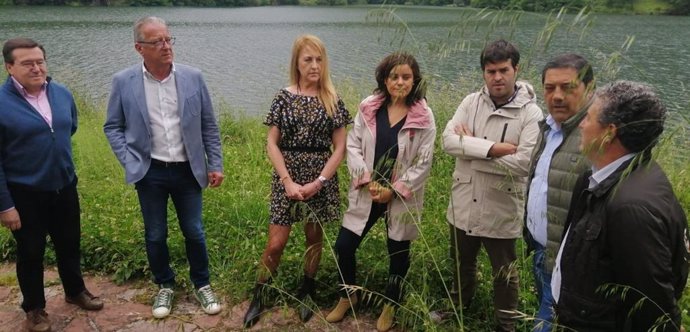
673 7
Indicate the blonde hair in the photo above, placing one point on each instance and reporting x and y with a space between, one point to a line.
326 90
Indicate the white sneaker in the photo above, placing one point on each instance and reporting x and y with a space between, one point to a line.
162 305
207 299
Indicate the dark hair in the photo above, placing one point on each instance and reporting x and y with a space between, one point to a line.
571 60
499 51
637 112
384 69
15 43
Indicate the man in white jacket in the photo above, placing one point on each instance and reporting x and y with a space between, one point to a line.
491 135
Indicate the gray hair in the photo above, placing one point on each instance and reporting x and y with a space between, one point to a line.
143 21
637 112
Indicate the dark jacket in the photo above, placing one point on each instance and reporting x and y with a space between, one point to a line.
566 165
631 231
32 154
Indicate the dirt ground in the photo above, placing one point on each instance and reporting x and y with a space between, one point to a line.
127 308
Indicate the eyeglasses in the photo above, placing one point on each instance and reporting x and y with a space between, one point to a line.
159 43
29 64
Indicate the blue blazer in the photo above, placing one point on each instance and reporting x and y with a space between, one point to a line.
128 128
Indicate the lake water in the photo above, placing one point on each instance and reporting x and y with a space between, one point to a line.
244 52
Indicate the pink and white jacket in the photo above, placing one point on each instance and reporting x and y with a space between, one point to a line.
411 169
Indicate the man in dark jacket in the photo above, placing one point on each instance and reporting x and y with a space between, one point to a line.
623 263
568 81
38 186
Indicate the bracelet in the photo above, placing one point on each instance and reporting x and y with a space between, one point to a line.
282 180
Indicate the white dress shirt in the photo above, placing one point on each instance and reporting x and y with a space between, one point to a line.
537 207
163 110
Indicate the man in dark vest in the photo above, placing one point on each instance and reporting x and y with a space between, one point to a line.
568 81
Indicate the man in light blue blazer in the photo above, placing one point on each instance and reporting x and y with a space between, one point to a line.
162 129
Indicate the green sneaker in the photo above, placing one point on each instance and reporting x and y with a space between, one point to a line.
162 305
207 299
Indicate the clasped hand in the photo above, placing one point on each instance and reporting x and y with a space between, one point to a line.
379 193
299 192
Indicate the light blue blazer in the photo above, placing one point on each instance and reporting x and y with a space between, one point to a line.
128 128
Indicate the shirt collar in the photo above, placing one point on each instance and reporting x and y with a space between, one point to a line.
21 88
555 126
599 175
149 75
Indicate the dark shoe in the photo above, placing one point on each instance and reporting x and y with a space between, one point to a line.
37 321
305 310
86 301
256 307
305 296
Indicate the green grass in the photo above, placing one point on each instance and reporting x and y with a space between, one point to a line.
650 7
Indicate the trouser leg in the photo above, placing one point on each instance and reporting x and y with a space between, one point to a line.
153 199
503 263
65 232
463 253
399 264
31 243
187 198
347 243
542 276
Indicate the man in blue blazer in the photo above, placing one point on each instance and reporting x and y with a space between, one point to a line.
162 129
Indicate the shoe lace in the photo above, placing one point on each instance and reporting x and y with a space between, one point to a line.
207 295
164 297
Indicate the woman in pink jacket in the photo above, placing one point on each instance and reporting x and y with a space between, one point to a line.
389 153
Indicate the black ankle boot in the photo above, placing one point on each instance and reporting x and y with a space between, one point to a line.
257 306
305 296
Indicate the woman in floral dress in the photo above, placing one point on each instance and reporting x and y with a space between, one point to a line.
305 120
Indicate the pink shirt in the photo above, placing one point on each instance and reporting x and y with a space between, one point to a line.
40 102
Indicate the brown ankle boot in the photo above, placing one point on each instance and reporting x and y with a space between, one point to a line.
37 321
344 304
385 321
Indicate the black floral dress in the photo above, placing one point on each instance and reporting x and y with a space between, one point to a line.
305 142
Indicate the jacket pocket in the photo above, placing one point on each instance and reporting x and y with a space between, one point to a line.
510 187
192 104
584 314
593 228
459 177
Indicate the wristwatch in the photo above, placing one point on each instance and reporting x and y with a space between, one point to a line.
322 179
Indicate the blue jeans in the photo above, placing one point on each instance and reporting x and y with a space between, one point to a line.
542 322
177 182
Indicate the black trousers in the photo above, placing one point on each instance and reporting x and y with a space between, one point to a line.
54 213
398 251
